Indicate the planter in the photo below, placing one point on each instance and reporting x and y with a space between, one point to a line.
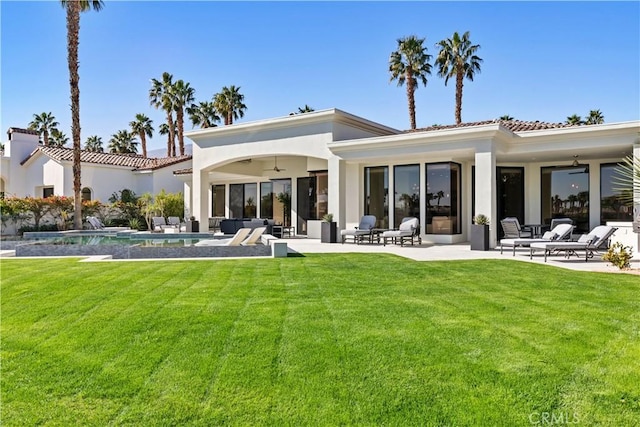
328 232
193 226
479 237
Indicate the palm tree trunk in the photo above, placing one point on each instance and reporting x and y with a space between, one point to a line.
143 142
180 119
45 136
171 143
73 31
459 83
412 103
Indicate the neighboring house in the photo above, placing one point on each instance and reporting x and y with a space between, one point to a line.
31 169
297 168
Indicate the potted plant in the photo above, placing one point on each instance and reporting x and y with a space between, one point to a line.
480 233
193 226
328 230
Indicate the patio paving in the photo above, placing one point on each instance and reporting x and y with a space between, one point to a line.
438 252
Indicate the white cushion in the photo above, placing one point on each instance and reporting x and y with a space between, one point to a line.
549 235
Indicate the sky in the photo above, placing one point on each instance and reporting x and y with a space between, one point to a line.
541 60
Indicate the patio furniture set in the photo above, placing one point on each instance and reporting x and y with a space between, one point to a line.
556 241
366 231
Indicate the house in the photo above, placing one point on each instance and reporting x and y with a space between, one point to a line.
31 169
297 168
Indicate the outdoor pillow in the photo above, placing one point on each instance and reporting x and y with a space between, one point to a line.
549 235
587 238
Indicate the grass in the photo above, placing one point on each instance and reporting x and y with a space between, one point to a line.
345 339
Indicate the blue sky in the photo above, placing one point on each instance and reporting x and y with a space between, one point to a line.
542 60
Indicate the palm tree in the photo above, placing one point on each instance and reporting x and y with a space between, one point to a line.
574 120
160 97
163 129
182 94
305 109
94 144
73 9
457 58
58 139
595 118
123 142
506 118
409 64
203 114
142 126
43 124
229 103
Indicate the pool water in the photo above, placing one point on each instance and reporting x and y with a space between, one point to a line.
125 241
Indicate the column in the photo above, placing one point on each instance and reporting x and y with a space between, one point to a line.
486 188
199 194
337 185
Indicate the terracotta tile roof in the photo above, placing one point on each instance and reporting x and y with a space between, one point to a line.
187 171
133 161
512 125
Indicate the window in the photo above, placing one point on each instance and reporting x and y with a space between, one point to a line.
47 192
218 200
275 201
443 198
565 194
242 200
406 181
86 193
611 206
313 198
376 194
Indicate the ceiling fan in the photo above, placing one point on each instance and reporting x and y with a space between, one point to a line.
275 166
577 164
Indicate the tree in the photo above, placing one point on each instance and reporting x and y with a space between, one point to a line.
182 94
410 64
94 144
123 142
58 139
163 129
203 114
457 58
43 124
142 126
73 9
305 109
160 97
574 120
595 118
230 104
626 178
506 118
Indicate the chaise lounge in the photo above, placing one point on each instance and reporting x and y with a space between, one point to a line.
597 239
364 229
408 231
559 233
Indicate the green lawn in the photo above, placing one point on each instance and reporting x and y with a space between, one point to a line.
346 339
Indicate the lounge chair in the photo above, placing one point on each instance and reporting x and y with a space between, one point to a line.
233 241
560 232
95 223
158 223
597 239
513 230
409 230
174 222
364 229
254 236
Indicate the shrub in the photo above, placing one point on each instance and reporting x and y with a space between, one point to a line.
481 219
619 255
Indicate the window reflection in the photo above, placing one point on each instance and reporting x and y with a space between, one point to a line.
611 206
218 197
376 187
565 194
442 199
407 192
242 200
